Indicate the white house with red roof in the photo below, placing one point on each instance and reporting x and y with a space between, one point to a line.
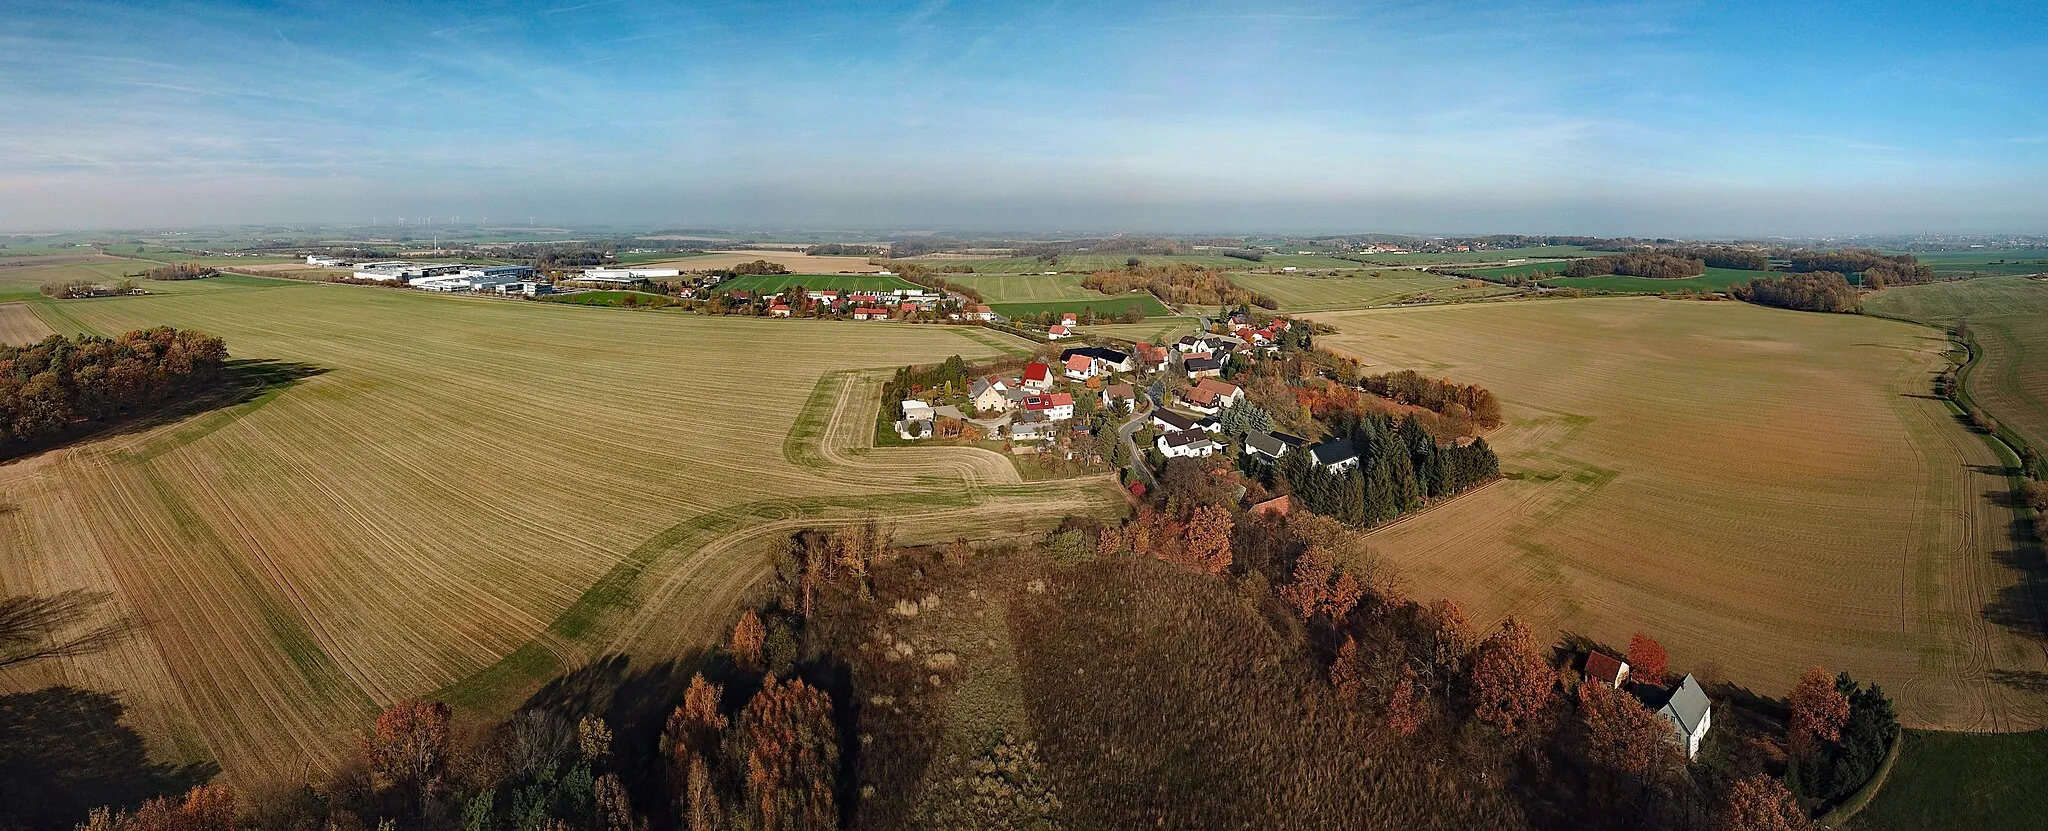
1057 406
779 310
1058 332
1211 396
1081 367
1070 320
1037 376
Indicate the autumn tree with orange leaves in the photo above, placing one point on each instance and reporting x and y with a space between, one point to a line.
1623 735
1760 803
789 745
204 808
1206 539
748 636
1646 659
408 750
691 740
1511 681
1451 641
1819 710
1407 703
1319 588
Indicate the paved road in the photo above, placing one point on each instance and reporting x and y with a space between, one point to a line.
1124 433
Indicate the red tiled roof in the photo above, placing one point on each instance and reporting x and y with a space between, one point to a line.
1037 371
1602 666
1080 363
1276 505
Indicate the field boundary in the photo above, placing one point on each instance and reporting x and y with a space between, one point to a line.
1863 796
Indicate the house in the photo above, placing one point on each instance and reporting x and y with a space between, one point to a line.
912 429
989 395
1037 376
779 310
1209 424
1058 406
1606 669
1170 421
870 313
1107 360
1186 444
1194 344
1070 320
1336 455
980 313
1032 430
915 410
1081 368
1211 396
1686 707
1198 368
1058 333
1152 358
1269 446
1120 397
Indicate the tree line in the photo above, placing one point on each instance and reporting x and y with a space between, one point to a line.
181 271
921 274
1439 395
1878 270
1401 468
1652 266
51 388
1819 291
841 249
1720 256
1178 284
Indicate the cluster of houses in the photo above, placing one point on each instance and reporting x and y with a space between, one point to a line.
870 305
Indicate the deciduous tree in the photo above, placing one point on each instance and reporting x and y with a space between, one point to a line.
1511 681
748 635
408 749
1646 659
1760 803
1624 735
789 745
1407 704
1819 709
1206 539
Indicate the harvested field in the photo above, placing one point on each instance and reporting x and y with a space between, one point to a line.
1085 263
19 325
1158 330
1715 279
1761 489
463 498
2008 317
1026 288
793 261
1306 294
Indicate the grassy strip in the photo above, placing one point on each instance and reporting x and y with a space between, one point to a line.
1861 798
1962 780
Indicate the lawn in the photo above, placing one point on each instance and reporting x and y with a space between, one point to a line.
1301 293
626 299
2009 319
1715 279
1026 288
460 498
775 283
1979 781
1763 490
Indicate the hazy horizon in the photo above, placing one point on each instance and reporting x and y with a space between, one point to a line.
1649 119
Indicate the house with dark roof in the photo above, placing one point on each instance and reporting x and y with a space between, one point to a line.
1188 444
1199 368
1171 421
1336 455
1107 360
1119 396
1685 707
1269 446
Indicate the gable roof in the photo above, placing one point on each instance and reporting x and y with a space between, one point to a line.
1080 363
1271 444
1202 365
1687 706
1277 505
1334 451
1185 438
1037 371
1115 391
1173 420
1605 667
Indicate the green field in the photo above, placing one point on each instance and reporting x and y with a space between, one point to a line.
1026 288
1979 781
639 299
460 498
1298 293
2008 317
1102 304
1502 255
1532 267
1085 263
1716 279
775 283
1986 262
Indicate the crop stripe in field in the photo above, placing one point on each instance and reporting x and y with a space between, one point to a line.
61 321
1005 344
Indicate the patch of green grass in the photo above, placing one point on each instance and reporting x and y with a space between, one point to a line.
1980 781
775 283
1303 293
620 299
1551 251
1716 279
1101 304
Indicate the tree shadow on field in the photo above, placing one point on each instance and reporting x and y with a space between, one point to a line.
241 382
2023 680
64 752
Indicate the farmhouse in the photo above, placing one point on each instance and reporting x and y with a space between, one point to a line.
1269 446
1337 455
1189 444
1685 706
1606 669
1058 333
1070 320
779 310
870 313
1107 360
1211 396
1037 376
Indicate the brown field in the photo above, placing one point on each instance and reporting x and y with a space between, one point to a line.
462 499
797 263
1760 489
19 325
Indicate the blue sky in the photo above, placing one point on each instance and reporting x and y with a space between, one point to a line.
1707 118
